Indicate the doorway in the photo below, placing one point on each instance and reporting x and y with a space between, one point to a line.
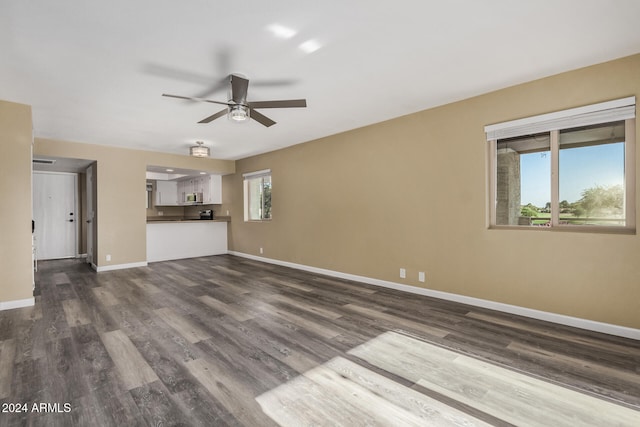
55 212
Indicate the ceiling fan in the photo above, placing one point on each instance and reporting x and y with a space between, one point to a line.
239 109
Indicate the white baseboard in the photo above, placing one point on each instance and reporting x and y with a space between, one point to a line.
20 303
118 266
562 319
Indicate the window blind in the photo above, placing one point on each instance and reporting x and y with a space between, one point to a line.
610 111
256 174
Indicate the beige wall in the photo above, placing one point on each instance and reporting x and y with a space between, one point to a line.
121 185
15 190
410 192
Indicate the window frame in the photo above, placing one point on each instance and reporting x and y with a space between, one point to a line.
247 178
555 225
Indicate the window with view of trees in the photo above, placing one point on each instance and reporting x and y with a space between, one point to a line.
257 196
578 174
591 175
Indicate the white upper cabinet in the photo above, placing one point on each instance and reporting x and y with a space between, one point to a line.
212 189
200 183
180 191
184 187
173 193
167 193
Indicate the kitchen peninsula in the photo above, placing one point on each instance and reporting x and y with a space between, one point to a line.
176 238
180 215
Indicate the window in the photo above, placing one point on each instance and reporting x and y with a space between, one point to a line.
571 170
257 196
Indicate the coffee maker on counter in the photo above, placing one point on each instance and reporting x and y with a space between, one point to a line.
206 214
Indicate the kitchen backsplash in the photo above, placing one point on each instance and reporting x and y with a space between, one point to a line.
181 211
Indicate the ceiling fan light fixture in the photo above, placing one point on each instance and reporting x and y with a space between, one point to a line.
199 150
238 108
238 113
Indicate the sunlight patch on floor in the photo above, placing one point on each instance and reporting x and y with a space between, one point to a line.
342 392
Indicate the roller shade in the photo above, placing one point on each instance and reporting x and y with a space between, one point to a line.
604 112
256 174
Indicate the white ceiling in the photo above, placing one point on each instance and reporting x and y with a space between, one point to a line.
94 71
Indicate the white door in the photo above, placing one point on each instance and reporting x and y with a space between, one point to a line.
54 213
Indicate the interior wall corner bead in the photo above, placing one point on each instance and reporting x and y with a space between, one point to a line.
609 111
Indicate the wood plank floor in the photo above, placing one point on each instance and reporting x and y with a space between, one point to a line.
223 340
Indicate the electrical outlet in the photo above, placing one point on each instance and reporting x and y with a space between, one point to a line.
261 251
108 257
160 213
421 276
403 273
227 213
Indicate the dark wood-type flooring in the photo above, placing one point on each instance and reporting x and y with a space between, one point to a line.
194 342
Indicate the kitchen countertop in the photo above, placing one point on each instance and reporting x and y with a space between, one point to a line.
174 219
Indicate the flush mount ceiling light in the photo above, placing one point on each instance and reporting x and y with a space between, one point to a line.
238 113
199 150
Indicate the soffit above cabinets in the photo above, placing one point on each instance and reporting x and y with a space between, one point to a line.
164 173
158 176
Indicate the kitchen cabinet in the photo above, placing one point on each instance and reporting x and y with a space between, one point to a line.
209 185
177 240
166 193
198 184
212 189
183 189
173 193
148 193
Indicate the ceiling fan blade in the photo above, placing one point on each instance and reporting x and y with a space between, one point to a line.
211 87
271 83
190 98
285 103
215 116
224 58
174 73
239 86
261 118
218 86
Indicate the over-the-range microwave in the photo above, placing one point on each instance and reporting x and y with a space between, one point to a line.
193 198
